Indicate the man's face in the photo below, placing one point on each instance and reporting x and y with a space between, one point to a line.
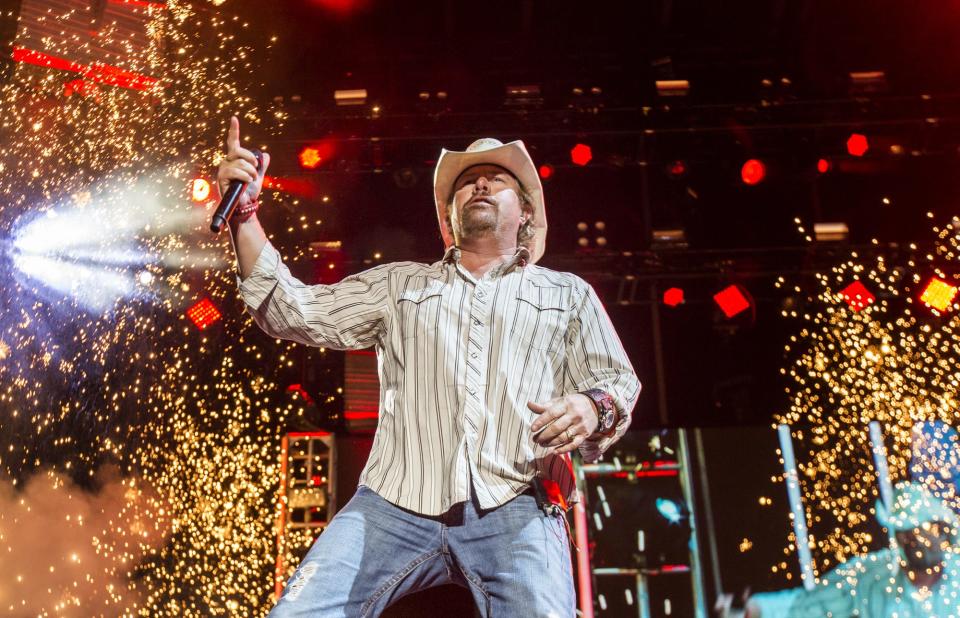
924 547
486 201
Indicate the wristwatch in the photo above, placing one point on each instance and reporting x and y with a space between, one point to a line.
606 410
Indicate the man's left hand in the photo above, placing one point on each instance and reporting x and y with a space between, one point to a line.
566 422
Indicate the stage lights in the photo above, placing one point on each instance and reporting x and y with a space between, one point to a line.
581 154
313 156
673 297
824 165
677 169
310 158
203 313
546 171
938 294
857 144
857 296
753 172
199 190
732 300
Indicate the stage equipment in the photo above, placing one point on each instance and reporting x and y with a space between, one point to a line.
824 165
677 169
753 172
867 82
673 87
310 158
857 144
799 517
581 154
229 201
673 238
732 300
857 295
199 190
361 391
639 518
523 96
203 313
307 497
834 231
356 96
938 294
673 297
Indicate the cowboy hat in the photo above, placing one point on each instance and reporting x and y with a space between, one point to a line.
512 157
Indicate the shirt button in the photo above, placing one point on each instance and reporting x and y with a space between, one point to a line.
477 322
473 354
481 293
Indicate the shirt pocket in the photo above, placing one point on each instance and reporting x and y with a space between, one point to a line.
541 319
419 309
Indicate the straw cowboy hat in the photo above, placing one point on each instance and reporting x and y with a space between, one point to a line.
512 157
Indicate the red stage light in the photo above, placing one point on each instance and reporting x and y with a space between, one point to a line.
203 314
823 166
857 144
673 297
95 72
731 300
938 294
310 157
199 190
581 154
677 169
753 172
546 171
315 155
857 295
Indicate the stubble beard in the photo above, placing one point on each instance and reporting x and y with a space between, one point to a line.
474 223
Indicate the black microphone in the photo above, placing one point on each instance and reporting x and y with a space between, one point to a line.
228 202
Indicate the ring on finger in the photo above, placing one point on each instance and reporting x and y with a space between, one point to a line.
566 434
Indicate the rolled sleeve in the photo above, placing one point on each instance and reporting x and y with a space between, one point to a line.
351 314
596 359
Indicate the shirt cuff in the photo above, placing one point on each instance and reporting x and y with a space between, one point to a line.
262 279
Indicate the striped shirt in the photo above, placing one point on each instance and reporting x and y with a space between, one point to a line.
458 360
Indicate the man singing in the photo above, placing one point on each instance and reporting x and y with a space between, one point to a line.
491 370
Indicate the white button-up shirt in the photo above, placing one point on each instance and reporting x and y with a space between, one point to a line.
459 358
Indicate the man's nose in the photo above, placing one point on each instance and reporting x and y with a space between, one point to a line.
481 184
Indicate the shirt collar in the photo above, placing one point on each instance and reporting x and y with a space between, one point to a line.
521 258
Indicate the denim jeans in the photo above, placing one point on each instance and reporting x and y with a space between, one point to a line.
514 559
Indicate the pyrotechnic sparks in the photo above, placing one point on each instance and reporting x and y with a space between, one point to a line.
98 363
894 360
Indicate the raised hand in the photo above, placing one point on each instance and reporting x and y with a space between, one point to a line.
240 164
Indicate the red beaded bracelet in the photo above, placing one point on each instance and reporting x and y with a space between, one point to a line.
242 214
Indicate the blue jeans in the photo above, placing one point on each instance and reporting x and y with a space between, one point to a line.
514 559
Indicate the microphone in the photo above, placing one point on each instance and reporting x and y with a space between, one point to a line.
228 202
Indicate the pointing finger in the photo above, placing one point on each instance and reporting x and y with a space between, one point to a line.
233 135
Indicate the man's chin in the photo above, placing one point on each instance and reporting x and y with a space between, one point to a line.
474 227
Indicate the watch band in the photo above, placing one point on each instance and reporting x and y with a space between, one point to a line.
606 410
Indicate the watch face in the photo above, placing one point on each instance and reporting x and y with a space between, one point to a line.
606 420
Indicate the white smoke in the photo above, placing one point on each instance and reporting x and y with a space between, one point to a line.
68 552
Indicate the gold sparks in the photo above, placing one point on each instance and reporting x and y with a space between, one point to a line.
894 361
192 420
